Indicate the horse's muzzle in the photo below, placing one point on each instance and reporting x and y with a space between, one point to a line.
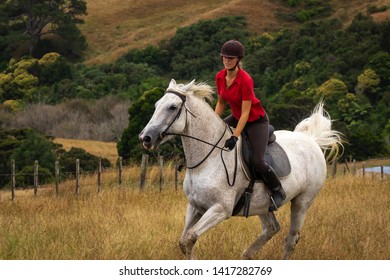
146 142
149 142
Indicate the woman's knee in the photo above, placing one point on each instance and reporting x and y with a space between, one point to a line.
261 166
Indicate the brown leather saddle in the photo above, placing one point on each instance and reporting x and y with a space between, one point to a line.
275 156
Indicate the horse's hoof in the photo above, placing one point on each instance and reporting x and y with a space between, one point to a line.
247 256
192 257
183 247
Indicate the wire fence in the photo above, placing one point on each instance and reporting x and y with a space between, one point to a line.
76 178
163 171
359 169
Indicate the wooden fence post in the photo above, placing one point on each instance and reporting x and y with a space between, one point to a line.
176 173
120 166
36 168
144 167
13 179
77 175
364 169
346 166
161 163
382 172
57 174
334 168
99 175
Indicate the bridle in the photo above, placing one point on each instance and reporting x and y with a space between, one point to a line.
183 99
214 146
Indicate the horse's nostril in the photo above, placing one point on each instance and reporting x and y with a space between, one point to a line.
147 139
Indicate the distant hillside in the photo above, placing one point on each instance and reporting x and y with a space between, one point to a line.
115 26
98 148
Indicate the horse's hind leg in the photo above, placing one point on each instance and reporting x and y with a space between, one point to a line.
298 211
270 227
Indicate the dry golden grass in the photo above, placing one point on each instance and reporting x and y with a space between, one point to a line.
348 220
106 150
113 27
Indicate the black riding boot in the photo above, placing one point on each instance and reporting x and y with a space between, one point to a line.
274 185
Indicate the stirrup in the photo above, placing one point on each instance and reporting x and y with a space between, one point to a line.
273 203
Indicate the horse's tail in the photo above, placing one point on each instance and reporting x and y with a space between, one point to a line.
318 126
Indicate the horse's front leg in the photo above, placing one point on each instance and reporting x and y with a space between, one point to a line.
213 216
192 217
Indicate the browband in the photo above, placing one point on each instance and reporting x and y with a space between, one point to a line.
182 96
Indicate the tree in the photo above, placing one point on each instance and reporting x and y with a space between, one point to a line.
364 141
26 145
4 32
32 20
332 90
139 113
52 67
18 82
35 147
194 50
9 141
367 84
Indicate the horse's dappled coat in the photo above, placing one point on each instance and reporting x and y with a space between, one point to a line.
211 199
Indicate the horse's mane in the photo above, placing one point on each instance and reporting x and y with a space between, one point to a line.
201 90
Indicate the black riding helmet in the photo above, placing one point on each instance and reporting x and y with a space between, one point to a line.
233 48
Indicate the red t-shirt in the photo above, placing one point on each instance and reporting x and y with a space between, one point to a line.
240 89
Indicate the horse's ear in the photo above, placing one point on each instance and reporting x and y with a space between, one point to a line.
189 85
172 83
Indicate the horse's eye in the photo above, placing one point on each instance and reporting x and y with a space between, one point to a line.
172 108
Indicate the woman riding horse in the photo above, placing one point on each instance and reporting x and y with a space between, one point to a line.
183 111
235 86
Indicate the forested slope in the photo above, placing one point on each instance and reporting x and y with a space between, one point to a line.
312 51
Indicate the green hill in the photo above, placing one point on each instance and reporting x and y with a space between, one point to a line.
298 51
113 27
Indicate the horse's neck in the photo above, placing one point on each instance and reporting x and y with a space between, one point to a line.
207 126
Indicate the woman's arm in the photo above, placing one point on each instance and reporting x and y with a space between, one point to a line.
221 105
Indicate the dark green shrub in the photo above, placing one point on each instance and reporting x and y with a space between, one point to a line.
25 177
35 147
139 114
88 162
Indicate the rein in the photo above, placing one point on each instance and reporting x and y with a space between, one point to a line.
214 146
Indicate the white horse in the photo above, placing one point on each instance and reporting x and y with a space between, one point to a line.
184 111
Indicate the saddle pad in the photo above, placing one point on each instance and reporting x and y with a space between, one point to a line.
275 156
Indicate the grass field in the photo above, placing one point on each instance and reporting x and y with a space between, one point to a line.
348 220
115 26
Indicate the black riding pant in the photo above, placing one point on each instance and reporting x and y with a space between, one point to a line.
257 132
